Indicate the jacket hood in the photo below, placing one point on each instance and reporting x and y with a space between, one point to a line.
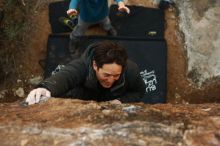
88 54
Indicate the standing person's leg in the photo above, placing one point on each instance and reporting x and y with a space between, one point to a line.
78 30
106 25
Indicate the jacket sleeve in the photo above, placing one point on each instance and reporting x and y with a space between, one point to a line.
136 86
73 4
67 78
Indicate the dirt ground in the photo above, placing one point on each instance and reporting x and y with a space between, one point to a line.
180 89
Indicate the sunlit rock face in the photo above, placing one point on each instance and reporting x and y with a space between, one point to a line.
85 123
200 24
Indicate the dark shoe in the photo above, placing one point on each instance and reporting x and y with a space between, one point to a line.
67 22
112 32
74 20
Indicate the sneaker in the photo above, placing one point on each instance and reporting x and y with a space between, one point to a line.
74 19
112 32
67 22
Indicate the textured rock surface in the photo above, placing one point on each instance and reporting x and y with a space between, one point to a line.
75 122
200 24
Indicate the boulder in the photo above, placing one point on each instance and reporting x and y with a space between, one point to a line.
199 23
75 122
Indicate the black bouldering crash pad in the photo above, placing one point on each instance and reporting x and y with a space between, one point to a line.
150 55
141 22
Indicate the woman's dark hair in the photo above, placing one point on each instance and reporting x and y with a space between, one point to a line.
107 52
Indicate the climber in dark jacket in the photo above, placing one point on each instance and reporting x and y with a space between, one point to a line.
102 73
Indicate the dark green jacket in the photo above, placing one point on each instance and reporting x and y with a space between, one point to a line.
79 75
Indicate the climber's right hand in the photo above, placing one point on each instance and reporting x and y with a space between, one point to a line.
37 95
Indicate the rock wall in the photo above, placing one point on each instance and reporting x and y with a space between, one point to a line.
63 122
200 24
